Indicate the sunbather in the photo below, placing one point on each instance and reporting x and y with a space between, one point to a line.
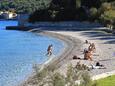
88 55
97 66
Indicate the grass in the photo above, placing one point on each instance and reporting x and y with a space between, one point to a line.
109 81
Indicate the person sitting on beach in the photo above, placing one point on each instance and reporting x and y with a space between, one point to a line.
49 50
97 66
88 55
86 41
92 47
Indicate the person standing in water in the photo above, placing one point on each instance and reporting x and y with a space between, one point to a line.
49 50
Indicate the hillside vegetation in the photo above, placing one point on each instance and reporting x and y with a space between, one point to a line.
64 10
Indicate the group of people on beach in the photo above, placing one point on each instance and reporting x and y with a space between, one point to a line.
88 53
97 65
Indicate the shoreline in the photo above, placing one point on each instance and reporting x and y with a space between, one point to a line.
60 59
73 38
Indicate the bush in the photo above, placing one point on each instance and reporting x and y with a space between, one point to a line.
86 79
108 17
113 5
57 79
53 78
105 7
93 13
78 3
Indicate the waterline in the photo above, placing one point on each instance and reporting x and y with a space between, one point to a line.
19 51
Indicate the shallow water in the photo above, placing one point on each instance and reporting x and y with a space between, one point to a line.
19 51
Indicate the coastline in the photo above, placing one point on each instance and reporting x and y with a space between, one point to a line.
103 46
63 57
75 41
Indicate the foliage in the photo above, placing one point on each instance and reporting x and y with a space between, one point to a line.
56 79
105 7
62 10
86 79
53 78
41 15
67 10
47 76
91 3
24 6
107 14
93 13
78 3
71 76
113 5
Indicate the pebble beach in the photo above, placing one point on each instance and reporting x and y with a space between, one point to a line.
75 40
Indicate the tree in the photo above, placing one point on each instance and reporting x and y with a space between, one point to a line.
105 7
40 15
24 6
113 5
91 3
78 4
93 13
4 5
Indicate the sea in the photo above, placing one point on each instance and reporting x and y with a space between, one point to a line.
20 51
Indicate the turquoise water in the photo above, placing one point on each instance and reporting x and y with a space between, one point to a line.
19 51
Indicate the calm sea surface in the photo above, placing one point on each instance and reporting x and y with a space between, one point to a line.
19 51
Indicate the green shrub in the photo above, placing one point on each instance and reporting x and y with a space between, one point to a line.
56 79
71 75
53 78
93 11
86 79
105 7
113 5
78 3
